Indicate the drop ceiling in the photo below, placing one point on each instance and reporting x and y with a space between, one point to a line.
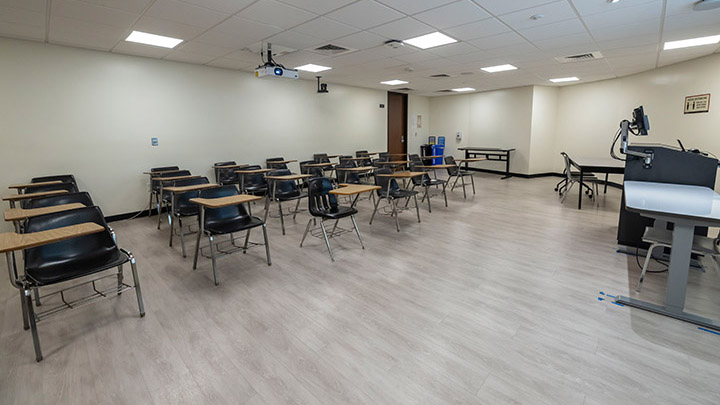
229 34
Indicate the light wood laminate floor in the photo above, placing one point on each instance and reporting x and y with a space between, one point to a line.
492 300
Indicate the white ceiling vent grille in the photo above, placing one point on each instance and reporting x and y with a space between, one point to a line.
332 50
582 57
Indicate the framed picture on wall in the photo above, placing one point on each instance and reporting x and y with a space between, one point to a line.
697 104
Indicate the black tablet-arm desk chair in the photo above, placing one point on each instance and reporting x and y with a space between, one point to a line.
283 190
69 187
459 174
226 220
82 197
226 176
323 205
425 181
391 192
181 207
70 260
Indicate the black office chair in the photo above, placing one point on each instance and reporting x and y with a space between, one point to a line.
65 178
69 187
70 260
270 165
323 205
390 191
226 221
283 190
182 208
226 176
425 181
459 174
82 197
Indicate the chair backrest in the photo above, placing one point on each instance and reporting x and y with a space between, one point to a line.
254 179
419 180
156 184
76 250
319 198
449 160
82 197
303 168
271 165
385 182
182 201
361 153
321 158
284 186
215 215
568 166
344 176
415 158
164 169
65 178
226 176
344 158
69 187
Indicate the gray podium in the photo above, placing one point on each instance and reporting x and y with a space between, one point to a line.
687 207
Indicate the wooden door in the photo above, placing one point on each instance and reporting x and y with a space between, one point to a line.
397 123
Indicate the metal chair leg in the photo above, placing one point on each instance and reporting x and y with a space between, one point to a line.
182 236
159 202
334 227
307 229
445 193
267 245
120 279
33 325
23 306
197 249
282 219
267 208
377 202
395 213
427 195
172 231
357 231
212 257
472 180
136 282
462 179
297 206
327 241
457 177
247 239
417 206
567 192
36 292
645 266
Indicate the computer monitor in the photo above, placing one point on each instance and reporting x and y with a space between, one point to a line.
640 121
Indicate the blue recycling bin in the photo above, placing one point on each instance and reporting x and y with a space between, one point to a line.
438 150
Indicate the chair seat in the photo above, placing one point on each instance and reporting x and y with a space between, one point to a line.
49 272
289 195
464 173
400 193
586 177
187 211
256 189
337 212
232 225
701 244
433 182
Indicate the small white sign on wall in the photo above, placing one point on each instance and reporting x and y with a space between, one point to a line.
419 121
697 104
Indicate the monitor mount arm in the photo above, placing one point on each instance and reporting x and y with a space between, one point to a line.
624 130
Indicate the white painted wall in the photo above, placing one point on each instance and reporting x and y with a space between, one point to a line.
543 129
418 106
500 118
589 114
68 110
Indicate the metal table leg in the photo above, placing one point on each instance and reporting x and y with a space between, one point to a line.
580 189
507 166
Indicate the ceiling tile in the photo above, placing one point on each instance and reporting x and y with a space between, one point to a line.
295 40
132 48
318 6
567 40
96 14
451 15
245 30
499 7
167 28
132 6
587 7
458 48
631 15
681 55
554 30
414 6
185 13
28 5
403 29
68 31
418 56
231 64
217 38
223 6
498 41
325 29
201 48
22 23
551 12
477 29
365 14
22 31
277 14
360 40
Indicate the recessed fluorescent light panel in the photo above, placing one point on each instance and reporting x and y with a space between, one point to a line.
152 39
313 68
687 43
461 89
564 79
499 68
393 82
430 40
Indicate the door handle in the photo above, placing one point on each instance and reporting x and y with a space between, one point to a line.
402 139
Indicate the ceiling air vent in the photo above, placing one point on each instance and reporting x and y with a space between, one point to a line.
580 57
405 89
332 50
440 75
444 91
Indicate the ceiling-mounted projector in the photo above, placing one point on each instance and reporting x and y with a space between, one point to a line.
271 68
